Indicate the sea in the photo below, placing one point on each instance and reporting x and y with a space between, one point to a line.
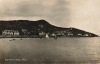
66 50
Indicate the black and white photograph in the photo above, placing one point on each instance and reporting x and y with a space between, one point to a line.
49 32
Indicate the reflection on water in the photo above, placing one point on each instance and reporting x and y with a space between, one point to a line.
62 50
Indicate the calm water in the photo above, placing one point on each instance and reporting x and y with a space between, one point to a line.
50 51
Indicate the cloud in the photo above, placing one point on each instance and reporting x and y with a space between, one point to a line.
55 11
64 13
26 7
85 15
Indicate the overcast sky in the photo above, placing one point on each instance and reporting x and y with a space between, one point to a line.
82 14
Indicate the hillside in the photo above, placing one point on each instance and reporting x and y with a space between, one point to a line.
27 27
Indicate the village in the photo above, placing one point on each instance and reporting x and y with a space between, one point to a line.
31 34
39 34
38 29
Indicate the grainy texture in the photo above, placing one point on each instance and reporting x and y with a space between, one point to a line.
82 14
48 51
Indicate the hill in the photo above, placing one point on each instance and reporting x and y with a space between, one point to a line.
27 28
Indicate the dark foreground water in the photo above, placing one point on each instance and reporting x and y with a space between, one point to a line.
50 51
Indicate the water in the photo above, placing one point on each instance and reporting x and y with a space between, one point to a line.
50 51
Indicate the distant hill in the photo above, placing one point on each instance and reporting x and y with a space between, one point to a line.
27 27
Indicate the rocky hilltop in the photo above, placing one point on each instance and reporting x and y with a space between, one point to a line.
40 28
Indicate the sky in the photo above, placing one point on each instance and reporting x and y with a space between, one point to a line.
82 14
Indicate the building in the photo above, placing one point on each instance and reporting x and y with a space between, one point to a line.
79 34
10 32
42 34
25 31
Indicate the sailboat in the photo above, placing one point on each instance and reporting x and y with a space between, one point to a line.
47 36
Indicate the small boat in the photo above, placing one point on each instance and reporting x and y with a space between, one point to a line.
47 36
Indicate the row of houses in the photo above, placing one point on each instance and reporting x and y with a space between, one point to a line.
16 32
43 34
13 32
70 33
10 32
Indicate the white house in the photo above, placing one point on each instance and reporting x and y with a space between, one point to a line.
25 31
10 32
